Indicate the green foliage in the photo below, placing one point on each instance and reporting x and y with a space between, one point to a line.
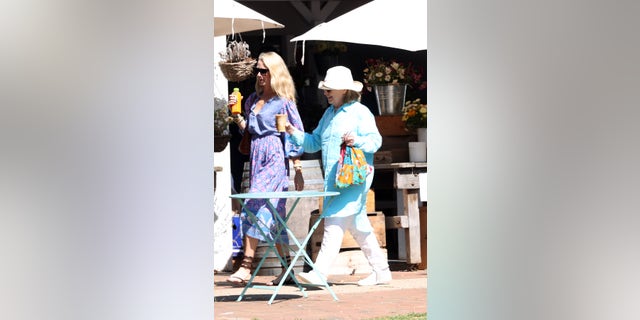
221 118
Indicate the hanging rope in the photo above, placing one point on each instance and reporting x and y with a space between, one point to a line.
233 20
303 49
295 51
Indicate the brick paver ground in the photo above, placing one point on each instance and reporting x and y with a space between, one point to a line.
407 293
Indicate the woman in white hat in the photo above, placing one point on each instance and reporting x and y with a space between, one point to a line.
348 121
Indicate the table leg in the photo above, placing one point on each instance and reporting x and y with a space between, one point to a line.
301 251
289 268
271 247
306 256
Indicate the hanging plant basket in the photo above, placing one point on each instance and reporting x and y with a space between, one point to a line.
220 142
238 71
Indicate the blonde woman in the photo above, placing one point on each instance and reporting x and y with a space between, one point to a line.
270 154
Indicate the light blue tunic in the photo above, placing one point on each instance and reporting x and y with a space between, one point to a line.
357 118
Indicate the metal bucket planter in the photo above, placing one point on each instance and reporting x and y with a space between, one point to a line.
390 98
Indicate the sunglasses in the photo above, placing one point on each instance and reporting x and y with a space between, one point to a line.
260 71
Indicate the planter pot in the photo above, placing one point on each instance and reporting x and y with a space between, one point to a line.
417 151
237 71
422 134
220 142
390 98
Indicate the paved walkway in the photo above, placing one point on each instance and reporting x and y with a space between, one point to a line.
407 293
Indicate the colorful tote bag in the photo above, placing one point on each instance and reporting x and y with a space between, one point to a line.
352 167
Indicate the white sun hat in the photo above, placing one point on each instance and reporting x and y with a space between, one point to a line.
339 78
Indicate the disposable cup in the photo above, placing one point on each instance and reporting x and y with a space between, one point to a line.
281 122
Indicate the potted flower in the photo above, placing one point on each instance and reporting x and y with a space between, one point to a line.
221 120
389 81
381 72
414 116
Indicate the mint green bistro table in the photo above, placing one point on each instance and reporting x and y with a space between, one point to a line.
300 251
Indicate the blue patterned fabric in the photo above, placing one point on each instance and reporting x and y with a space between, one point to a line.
269 164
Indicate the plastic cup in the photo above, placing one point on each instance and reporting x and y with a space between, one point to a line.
281 122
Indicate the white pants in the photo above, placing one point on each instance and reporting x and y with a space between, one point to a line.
334 228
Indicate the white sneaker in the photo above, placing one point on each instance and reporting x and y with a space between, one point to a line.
311 278
380 277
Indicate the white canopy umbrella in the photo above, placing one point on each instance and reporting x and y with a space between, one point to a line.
398 24
230 17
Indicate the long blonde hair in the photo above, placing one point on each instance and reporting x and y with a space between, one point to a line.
281 81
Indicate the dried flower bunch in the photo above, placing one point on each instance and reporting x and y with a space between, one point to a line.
236 51
381 72
221 118
414 114
237 64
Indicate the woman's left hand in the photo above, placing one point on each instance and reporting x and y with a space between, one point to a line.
348 138
289 128
298 181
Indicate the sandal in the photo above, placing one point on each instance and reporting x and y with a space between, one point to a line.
239 276
276 280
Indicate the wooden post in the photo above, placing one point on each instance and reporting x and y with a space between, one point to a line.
423 238
407 184
408 191
409 208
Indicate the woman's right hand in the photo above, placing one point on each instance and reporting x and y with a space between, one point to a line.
348 138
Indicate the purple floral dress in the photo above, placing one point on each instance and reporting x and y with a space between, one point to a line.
269 163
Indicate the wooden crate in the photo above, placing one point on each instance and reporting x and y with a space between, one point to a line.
377 220
382 157
378 224
371 201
